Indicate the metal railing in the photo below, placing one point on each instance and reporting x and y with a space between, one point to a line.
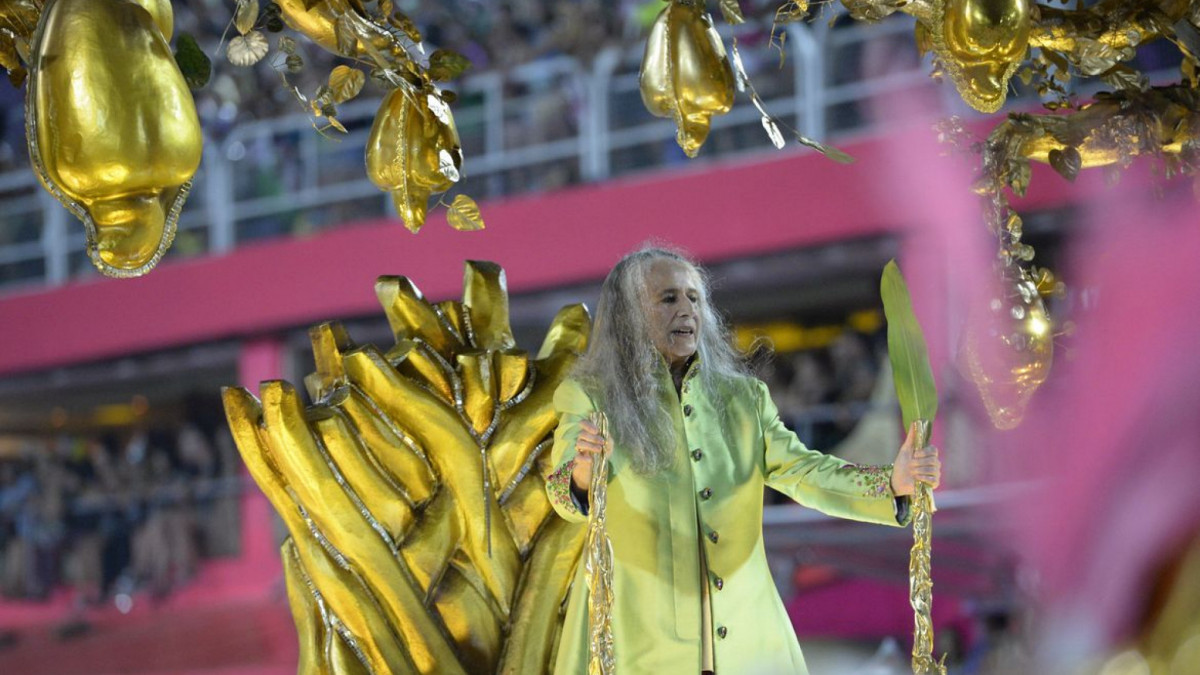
540 126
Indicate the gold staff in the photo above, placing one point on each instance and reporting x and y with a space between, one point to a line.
918 403
599 562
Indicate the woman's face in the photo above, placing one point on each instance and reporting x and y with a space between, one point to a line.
673 312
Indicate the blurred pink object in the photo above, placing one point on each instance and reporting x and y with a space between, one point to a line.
1113 439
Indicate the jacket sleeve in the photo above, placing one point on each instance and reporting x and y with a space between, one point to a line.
824 482
572 405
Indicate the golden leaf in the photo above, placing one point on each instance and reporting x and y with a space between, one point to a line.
447 165
347 40
247 15
732 12
405 25
345 83
773 131
445 64
1067 162
333 122
248 49
463 214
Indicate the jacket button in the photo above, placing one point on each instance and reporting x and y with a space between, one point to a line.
687 410
696 454
713 536
719 583
705 493
722 632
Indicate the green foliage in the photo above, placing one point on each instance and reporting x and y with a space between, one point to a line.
906 350
192 61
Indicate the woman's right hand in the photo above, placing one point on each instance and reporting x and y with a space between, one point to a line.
588 444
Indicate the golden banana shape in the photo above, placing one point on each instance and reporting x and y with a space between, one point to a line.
422 540
685 73
413 150
981 43
112 127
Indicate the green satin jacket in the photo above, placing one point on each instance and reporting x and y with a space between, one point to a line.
713 495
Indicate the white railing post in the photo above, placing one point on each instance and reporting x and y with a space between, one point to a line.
596 119
809 89
492 88
218 200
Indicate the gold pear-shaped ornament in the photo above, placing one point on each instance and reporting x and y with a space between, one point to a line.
686 74
1008 346
413 150
111 126
981 43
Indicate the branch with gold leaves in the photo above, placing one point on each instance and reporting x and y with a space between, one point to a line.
413 151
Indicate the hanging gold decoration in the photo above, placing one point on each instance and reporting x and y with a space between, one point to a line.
422 539
112 128
685 72
323 20
18 20
981 43
413 150
1008 346
1113 129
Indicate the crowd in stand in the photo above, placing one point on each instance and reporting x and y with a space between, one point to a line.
822 393
106 516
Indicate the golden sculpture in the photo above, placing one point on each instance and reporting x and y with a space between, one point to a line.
598 561
422 540
413 150
112 128
685 72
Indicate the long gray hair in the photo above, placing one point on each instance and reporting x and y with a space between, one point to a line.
622 370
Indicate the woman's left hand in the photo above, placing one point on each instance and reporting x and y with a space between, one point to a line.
914 465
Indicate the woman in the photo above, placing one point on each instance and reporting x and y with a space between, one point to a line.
694 439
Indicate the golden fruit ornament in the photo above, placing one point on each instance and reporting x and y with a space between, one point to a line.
112 128
413 150
1008 347
163 13
686 73
981 43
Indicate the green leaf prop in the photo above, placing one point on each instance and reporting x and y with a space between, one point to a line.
907 350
